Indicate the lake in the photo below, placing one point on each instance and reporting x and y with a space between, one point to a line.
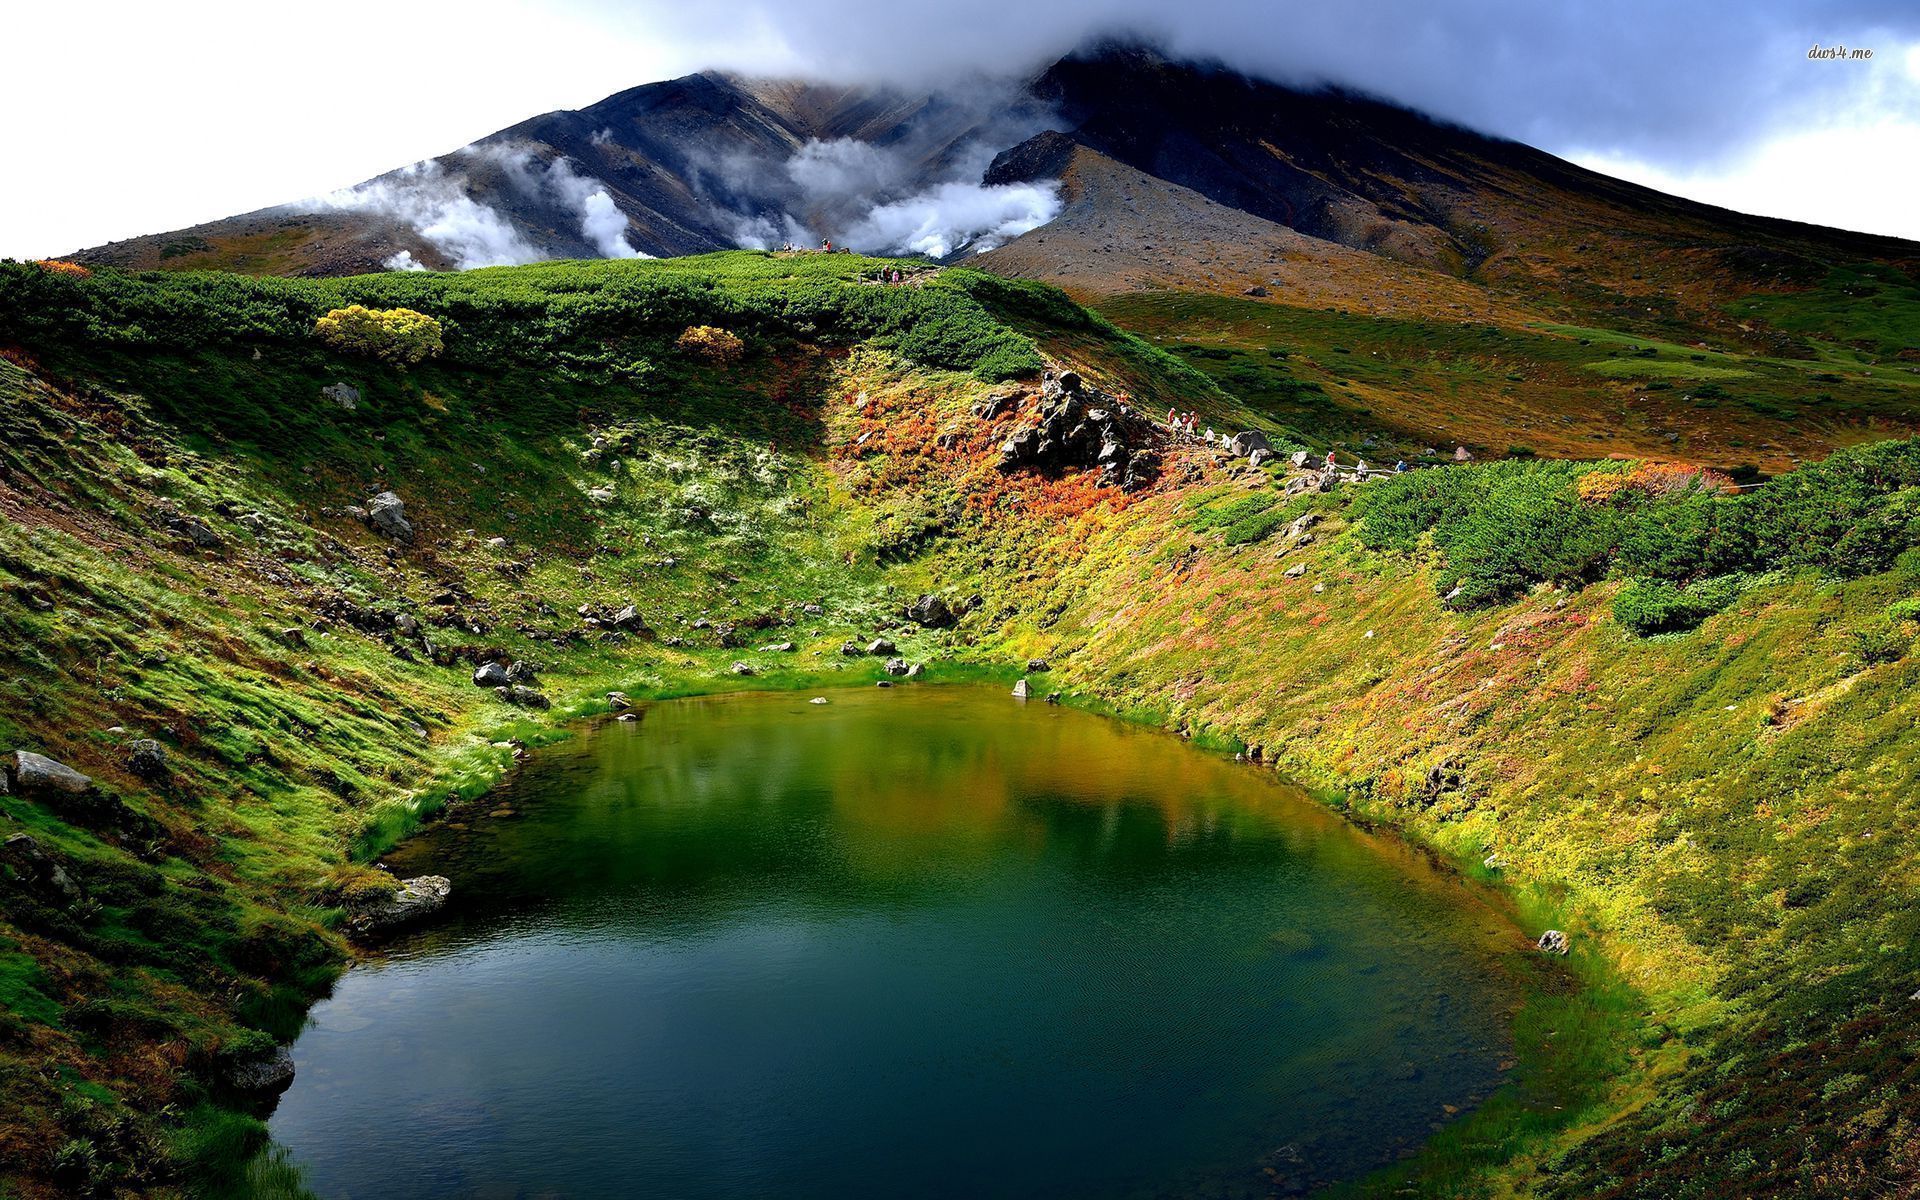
919 941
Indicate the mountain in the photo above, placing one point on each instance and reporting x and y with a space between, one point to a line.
714 161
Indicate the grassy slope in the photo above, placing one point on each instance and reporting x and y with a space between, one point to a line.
1739 915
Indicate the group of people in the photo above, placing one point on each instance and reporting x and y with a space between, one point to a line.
1181 425
1361 470
893 275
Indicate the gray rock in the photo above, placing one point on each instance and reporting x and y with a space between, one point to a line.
262 1076
1295 571
1037 666
740 668
147 759
491 675
1259 458
522 672
818 700
387 514
343 395
521 696
38 775
851 649
1553 941
415 898
619 701
1246 443
1300 458
932 612
1021 691
195 532
881 646
896 666
779 647
627 620
916 670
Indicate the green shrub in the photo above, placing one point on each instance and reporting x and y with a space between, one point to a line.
1650 606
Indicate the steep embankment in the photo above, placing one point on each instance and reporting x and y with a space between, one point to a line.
190 559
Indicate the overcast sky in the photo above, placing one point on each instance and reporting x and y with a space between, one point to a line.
129 116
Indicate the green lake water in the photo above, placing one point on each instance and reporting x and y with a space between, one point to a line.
917 942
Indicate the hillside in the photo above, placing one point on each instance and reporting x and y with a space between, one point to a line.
1673 721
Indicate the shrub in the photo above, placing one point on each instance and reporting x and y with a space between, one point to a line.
711 344
1649 606
395 335
60 266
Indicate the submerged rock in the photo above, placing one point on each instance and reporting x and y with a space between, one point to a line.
1021 691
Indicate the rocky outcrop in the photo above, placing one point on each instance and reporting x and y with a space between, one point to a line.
342 395
521 696
147 760
412 900
40 871
1082 428
491 675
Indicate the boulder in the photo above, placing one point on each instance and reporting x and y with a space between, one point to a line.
263 1076
387 514
521 671
896 666
881 646
147 760
618 701
627 620
521 696
779 647
931 612
1259 458
491 675
1553 941
1021 691
1247 442
343 395
1036 666
818 700
38 775
916 670
1300 458
1295 571
413 899
740 668
851 649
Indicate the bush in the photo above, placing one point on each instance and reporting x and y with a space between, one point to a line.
1650 606
711 344
395 335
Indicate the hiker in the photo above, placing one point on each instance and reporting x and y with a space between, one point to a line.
1360 472
1173 419
827 246
1332 465
1400 468
1209 435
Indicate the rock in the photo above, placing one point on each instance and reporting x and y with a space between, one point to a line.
818 700
294 636
491 675
813 610
38 775
194 531
916 670
731 636
147 759
521 696
740 668
415 898
1295 571
1259 458
600 495
851 649
497 543
1036 666
627 620
265 1076
618 701
931 612
1021 691
1254 290
896 666
387 514
522 672
1302 523
41 869
1462 454
1554 942
343 395
779 648
1300 458
881 646
629 716
1247 442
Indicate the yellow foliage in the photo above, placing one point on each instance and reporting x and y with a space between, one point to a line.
711 344
396 335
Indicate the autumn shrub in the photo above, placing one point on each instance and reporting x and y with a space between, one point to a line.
60 266
711 344
395 335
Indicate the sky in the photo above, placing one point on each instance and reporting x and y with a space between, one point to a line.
127 117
